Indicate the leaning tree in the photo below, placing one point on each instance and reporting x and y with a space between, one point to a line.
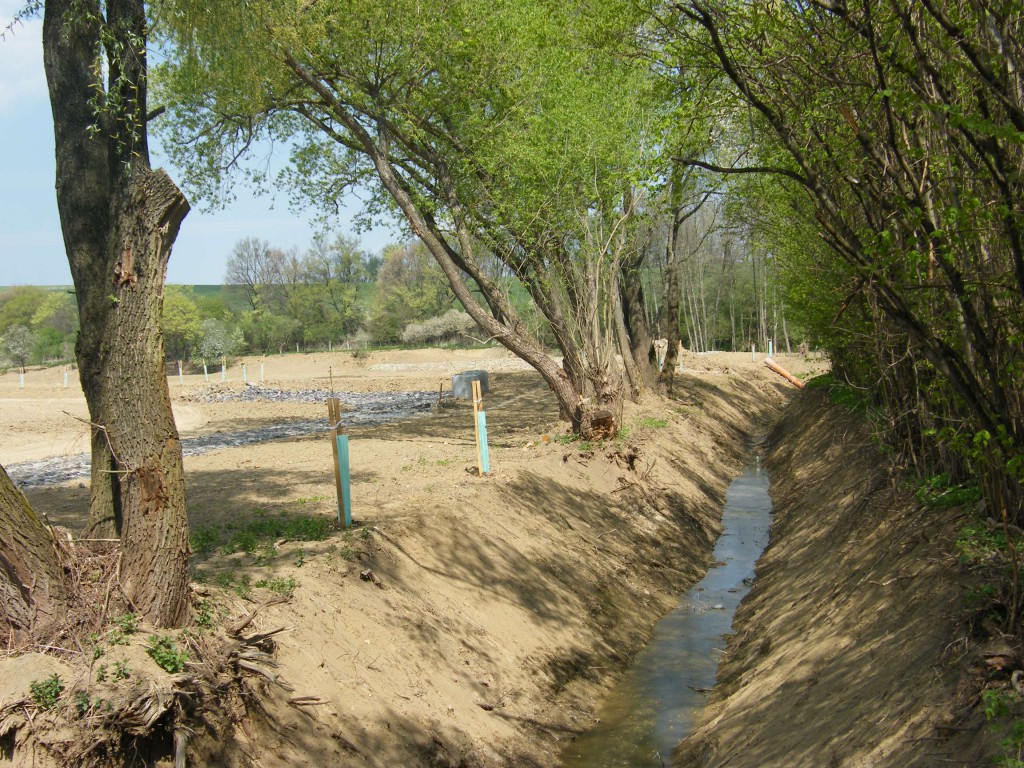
508 131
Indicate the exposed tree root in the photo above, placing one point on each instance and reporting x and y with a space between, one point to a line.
99 696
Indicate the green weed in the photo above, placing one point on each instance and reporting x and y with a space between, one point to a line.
651 423
258 533
82 703
121 670
165 652
280 585
45 693
1001 708
939 492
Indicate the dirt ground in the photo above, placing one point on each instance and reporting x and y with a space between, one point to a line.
500 607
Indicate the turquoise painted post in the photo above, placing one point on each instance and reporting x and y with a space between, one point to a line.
346 491
21 379
245 376
481 424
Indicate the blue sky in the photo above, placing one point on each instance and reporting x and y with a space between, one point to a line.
31 246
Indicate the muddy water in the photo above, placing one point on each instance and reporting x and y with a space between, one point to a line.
653 707
366 409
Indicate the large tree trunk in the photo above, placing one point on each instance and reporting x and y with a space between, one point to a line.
32 588
119 220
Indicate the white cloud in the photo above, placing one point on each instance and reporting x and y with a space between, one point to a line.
21 60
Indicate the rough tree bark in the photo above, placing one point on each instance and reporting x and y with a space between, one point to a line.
32 589
119 218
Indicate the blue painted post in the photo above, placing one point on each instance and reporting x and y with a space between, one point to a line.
343 472
245 376
223 368
339 446
485 459
769 347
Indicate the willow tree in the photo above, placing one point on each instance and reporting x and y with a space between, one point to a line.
33 593
507 130
901 123
119 218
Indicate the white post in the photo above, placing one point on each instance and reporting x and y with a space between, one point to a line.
21 379
245 377
65 377
751 351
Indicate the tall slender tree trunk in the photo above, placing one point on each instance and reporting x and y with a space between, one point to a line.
119 219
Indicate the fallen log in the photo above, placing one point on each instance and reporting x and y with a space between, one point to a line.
783 373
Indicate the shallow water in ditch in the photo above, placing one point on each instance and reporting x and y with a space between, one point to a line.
656 703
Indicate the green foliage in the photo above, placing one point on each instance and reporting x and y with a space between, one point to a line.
938 491
648 422
841 393
979 544
101 673
240 585
205 615
1002 711
180 322
410 288
259 531
165 652
121 670
82 703
45 693
280 585
128 623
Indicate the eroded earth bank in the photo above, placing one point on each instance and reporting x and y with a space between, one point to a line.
468 621
854 646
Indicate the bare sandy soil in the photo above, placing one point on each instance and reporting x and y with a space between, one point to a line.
499 607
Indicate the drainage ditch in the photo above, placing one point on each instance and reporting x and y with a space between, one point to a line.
653 707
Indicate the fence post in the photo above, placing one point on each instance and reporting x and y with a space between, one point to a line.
339 447
480 418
